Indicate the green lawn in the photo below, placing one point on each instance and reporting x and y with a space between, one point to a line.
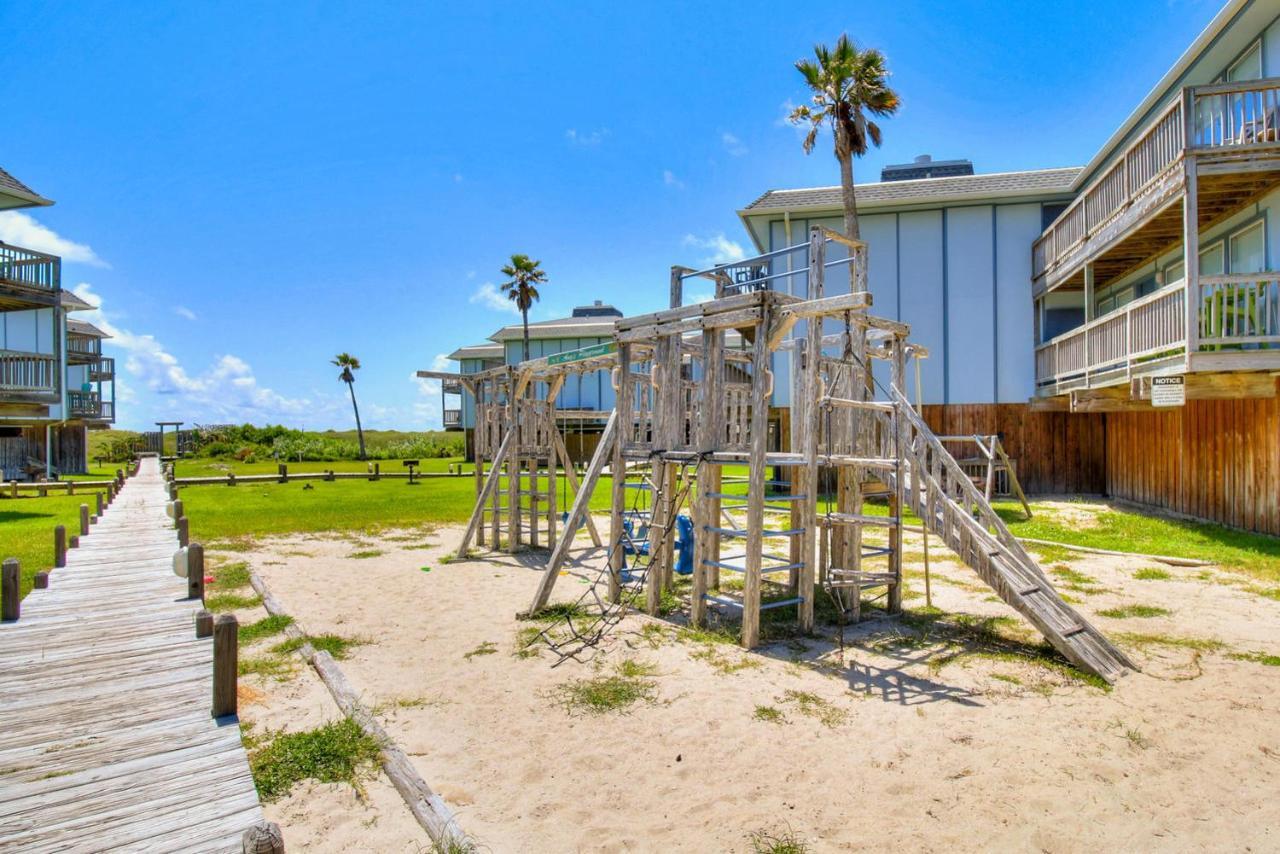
26 529
203 467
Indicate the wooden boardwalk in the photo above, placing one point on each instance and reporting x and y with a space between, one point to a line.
106 738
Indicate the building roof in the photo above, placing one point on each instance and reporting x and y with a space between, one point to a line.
82 327
564 327
71 302
1037 182
11 186
478 351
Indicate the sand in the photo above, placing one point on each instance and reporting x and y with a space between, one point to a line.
899 748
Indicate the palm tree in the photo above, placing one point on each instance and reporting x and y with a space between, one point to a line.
350 363
525 274
847 84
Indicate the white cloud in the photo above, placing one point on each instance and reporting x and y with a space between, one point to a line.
732 144
490 297
183 311
698 296
585 139
669 178
226 391
722 250
457 177
21 230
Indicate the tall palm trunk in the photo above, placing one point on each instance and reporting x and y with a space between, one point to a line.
351 387
850 213
524 314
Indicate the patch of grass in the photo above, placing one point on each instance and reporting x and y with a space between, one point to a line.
558 611
1269 593
604 694
339 752
777 842
633 669
1152 573
365 554
1257 657
1071 576
230 576
812 706
264 628
240 545
486 648
1005 677
724 664
221 602
454 557
267 666
1125 612
718 633
769 714
1141 639
336 645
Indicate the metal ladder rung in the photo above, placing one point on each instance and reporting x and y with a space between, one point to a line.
860 519
726 602
845 402
764 570
738 533
743 495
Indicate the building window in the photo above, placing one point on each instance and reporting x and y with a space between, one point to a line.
1248 66
1248 250
1212 260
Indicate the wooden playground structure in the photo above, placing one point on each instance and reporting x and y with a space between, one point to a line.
689 432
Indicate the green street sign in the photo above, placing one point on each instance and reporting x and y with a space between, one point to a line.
583 353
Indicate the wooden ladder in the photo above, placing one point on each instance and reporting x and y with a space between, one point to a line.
940 492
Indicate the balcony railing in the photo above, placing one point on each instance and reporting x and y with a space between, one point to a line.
88 404
1226 118
103 370
451 386
452 418
1235 313
83 346
27 268
28 372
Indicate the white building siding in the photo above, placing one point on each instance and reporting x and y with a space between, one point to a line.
28 331
1017 226
920 276
971 307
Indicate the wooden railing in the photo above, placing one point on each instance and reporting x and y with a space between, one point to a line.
83 345
88 404
1223 117
103 370
30 269
452 418
21 371
1242 310
1142 329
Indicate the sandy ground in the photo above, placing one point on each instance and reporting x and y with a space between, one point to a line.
913 743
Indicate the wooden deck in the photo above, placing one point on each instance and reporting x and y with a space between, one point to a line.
106 738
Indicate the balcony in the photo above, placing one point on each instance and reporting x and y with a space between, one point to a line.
90 406
1237 327
451 386
103 370
1226 135
83 349
452 419
28 376
28 278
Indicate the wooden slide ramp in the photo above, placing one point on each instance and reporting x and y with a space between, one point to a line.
106 737
942 495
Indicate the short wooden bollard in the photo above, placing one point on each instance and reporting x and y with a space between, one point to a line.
329 475
195 571
284 473
377 471
13 489
226 638
97 498
204 623
41 581
84 520
10 597
173 491
42 490
71 487
262 837
60 546
119 477
182 531
177 511
231 478
74 542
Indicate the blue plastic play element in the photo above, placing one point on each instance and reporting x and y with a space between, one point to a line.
627 547
684 545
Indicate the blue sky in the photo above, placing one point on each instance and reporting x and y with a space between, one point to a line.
249 189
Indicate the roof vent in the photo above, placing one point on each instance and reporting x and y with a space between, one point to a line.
924 166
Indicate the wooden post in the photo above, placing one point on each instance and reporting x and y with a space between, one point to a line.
84 520
71 487
897 498
60 546
41 489
177 511
617 501
262 837
13 489
41 580
182 531
73 542
284 473
808 446
757 475
514 466
710 417
119 477
10 597
195 571
677 287
97 500
226 632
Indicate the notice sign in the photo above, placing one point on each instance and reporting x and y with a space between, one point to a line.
1168 391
